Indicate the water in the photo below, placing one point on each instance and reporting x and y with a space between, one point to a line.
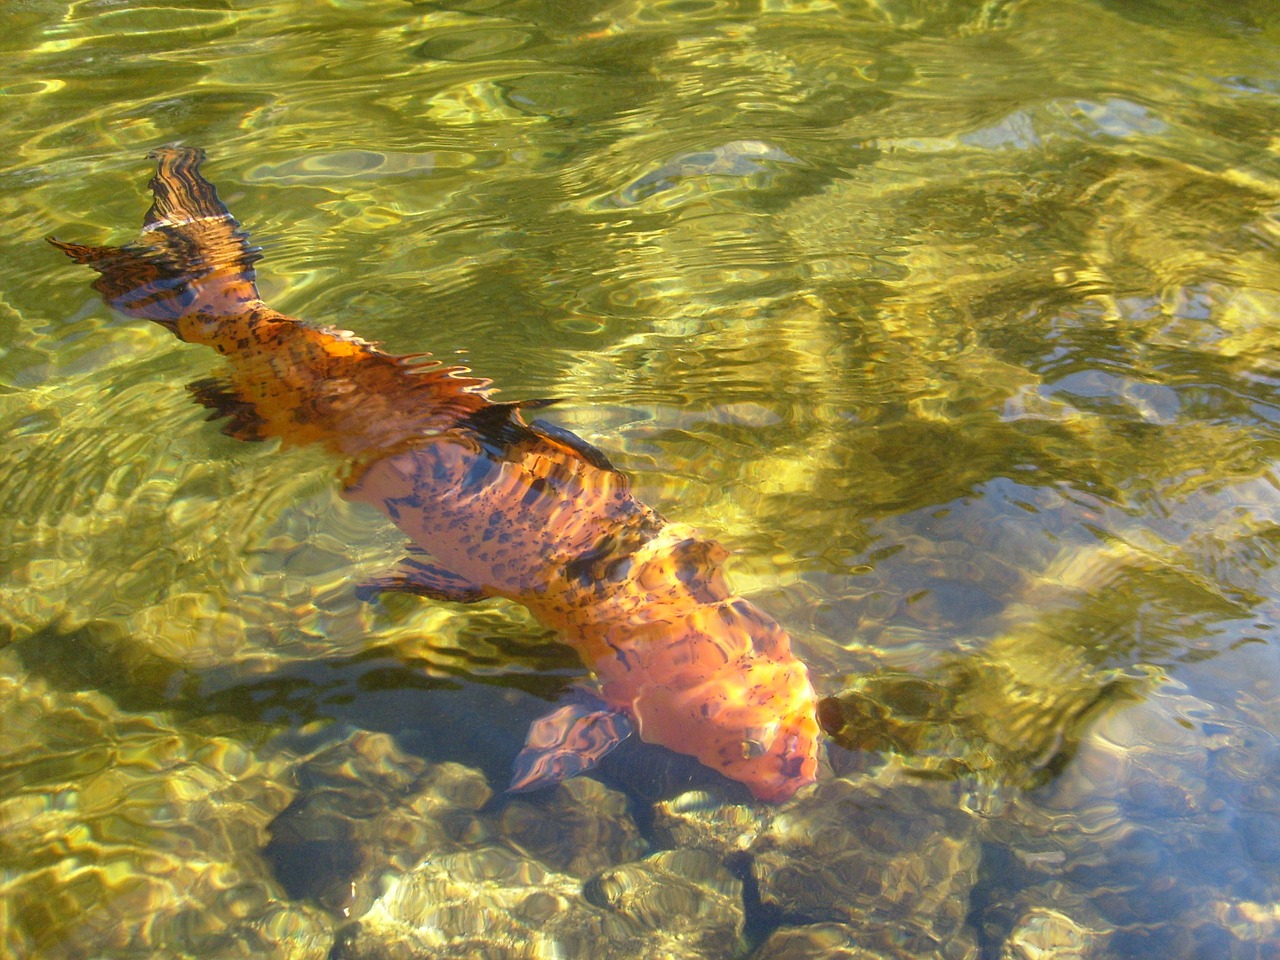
956 321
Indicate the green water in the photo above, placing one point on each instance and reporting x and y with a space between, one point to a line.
956 321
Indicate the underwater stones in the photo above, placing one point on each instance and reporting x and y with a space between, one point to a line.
892 858
1044 933
283 931
492 902
1049 921
364 808
138 837
425 865
1232 930
579 828
675 897
366 812
487 901
838 941
817 941
701 820
871 867
1151 843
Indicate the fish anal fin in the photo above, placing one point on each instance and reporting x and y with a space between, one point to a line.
221 397
418 576
570 740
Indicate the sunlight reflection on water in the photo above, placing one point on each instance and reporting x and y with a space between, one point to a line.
954 320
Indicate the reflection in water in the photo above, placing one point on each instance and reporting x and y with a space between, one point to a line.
955 318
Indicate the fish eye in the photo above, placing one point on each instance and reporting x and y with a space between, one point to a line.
757 740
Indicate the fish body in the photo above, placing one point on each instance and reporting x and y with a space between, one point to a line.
493 506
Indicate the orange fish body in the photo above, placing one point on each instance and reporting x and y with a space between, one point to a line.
493 506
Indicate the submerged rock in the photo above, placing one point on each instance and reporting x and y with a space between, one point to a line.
417 857
702 820
1152 843
491 902
1232 929
838 941
1051 921
138 837
854 867
365 808
367 812
893 859
579 828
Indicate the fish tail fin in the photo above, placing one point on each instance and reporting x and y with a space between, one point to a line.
192 256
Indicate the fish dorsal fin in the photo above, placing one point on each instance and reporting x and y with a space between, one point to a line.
500 428
571 441
192 255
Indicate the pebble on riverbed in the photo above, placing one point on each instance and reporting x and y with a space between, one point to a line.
893 858
495 903
145 833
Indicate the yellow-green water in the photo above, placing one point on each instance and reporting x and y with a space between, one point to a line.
957 321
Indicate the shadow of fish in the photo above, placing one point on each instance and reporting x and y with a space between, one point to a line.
493 506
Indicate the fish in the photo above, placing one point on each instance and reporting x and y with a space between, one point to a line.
495 502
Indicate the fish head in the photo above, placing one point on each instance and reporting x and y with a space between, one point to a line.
756 724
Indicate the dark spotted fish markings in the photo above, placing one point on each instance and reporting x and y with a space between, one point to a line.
493 506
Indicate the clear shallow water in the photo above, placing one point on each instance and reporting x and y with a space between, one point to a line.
955 321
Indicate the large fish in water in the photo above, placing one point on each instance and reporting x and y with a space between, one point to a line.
493 506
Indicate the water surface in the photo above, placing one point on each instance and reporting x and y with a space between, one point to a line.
956 321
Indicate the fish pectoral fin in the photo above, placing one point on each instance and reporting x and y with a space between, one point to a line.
222 398
416 575
568 741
